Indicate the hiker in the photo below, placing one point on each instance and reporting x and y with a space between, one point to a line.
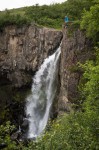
66 20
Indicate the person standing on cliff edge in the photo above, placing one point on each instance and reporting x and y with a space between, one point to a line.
66 21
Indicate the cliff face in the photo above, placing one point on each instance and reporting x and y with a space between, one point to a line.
74 49
22 50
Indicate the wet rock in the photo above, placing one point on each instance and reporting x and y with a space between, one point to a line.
25 125
16 135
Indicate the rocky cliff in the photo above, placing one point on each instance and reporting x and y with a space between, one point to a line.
75 48
22 50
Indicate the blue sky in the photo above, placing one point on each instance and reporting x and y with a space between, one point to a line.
9 4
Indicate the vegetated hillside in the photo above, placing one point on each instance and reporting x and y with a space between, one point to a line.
79 130
50 16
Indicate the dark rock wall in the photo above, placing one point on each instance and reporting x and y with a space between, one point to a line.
22 50
75 48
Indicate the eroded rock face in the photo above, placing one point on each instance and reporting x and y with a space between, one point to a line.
22 50
74 49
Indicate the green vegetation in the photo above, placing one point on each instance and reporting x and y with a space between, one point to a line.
5 138
50 16
80 129
90 22
6 18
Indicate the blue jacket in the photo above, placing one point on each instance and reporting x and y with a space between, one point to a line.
66 19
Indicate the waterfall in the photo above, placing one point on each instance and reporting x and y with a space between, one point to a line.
43 92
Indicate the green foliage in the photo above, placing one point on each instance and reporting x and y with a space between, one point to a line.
91 94
5 131
69 132
79 130
53 15
6 18
90 22
6 140
50 16
76 131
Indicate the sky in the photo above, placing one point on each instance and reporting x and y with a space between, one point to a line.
9 4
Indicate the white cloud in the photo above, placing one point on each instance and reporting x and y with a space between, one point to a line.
9 4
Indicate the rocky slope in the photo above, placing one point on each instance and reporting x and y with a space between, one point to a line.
23 49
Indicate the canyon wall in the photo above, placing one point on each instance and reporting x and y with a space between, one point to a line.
23 49
75 48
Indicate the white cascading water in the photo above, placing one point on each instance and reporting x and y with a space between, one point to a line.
42 94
